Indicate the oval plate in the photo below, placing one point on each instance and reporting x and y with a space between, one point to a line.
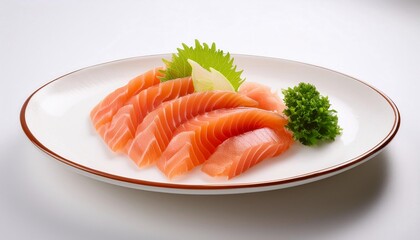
56 119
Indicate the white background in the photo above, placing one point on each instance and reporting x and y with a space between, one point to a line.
375 41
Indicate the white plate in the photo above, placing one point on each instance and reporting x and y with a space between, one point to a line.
56 119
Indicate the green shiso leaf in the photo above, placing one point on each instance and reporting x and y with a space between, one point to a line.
205 55
310 118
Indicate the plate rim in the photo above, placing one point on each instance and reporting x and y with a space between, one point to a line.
197 187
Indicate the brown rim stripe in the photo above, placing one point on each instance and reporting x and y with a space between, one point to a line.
376 149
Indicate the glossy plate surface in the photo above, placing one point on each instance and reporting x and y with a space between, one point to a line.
56 119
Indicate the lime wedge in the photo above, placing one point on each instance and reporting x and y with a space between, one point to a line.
204 80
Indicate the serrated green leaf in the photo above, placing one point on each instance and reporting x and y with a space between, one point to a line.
205 55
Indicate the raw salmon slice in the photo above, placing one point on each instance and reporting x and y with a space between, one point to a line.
267 99
237 154
123 126
156 130
196 140
105 110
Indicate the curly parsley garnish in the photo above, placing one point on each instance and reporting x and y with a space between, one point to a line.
310 118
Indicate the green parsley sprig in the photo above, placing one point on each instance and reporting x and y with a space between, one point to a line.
310 118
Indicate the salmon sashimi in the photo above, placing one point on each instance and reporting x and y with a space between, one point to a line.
237 154
196 140
124 124
267 99
156 130
105 110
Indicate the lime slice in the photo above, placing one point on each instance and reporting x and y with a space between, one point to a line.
204 80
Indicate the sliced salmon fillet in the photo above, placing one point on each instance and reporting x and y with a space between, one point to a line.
237 154
196 140
105 110
156 130
267 99
123 126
